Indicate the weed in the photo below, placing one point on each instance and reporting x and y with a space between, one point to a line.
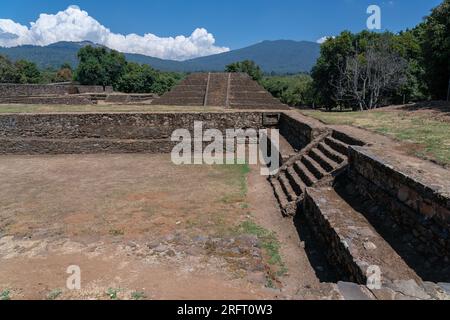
5 294
112 293
54 294
136 295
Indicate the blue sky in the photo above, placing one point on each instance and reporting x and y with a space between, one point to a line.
233 24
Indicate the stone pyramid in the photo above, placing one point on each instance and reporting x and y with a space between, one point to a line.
229 90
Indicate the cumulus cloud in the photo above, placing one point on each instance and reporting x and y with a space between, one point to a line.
323 39
74 24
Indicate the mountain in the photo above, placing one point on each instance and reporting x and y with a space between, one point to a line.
280 56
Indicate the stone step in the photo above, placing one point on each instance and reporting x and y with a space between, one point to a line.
307 177
314 167
296 182
287 188
279 193
353 245
326 163
337 145
331 153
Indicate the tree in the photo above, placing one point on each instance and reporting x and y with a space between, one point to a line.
435 36
99 66
367 79
246 66
137 79
28 72
359 71
8 72
292 90
65 73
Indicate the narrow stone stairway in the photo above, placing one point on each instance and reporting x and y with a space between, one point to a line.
314 165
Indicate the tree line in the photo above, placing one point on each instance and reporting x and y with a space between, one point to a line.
97 66
367 70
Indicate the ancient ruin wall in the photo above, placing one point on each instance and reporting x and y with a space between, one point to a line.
110 132
298 132
14 90
422 209
119 125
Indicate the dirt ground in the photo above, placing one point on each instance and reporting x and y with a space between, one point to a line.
140 227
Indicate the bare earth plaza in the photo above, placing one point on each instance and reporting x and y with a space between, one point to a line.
93 205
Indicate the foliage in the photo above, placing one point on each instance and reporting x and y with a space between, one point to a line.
246 66
8 72
28 72
293 90
366 70
99 66
435 45
137 78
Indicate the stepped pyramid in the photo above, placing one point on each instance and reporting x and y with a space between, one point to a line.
230 90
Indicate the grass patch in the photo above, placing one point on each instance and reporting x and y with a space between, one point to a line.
138 295
431 135
5 294
54 294
113 293
269 243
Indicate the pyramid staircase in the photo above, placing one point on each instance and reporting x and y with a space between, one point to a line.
190 92
315 166
229 90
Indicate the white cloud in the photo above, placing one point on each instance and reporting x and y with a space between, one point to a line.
323 39
74 24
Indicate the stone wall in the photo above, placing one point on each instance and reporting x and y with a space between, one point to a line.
109 132
54 100
12 90
422 209
297 130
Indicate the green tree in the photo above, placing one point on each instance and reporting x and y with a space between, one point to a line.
28 72
363 70
137 79
246 66
100 66
435 34
8 71
293 90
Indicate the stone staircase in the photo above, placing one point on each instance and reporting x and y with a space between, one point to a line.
315 165
190 92
230 90
217 90
248 94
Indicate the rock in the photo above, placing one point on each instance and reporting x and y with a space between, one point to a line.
369 245
410 288
384 294
445 287
435 291
201 239
169 238
161 248
257 278
352 291
153 244
170 253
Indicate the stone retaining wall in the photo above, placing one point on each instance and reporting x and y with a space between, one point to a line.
13 90
109 132
297 130
419 208
120 125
